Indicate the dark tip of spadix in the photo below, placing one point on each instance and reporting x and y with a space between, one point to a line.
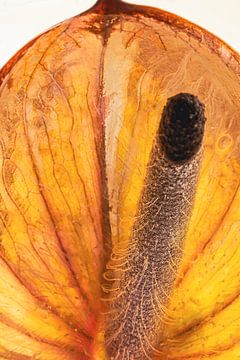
182 127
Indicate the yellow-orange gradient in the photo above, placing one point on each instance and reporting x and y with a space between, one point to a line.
79 109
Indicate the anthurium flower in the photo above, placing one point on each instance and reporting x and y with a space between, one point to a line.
119 191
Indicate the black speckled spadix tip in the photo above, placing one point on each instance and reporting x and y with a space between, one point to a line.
182 127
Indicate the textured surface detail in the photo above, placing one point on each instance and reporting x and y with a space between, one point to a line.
80 108
140 279
182 127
